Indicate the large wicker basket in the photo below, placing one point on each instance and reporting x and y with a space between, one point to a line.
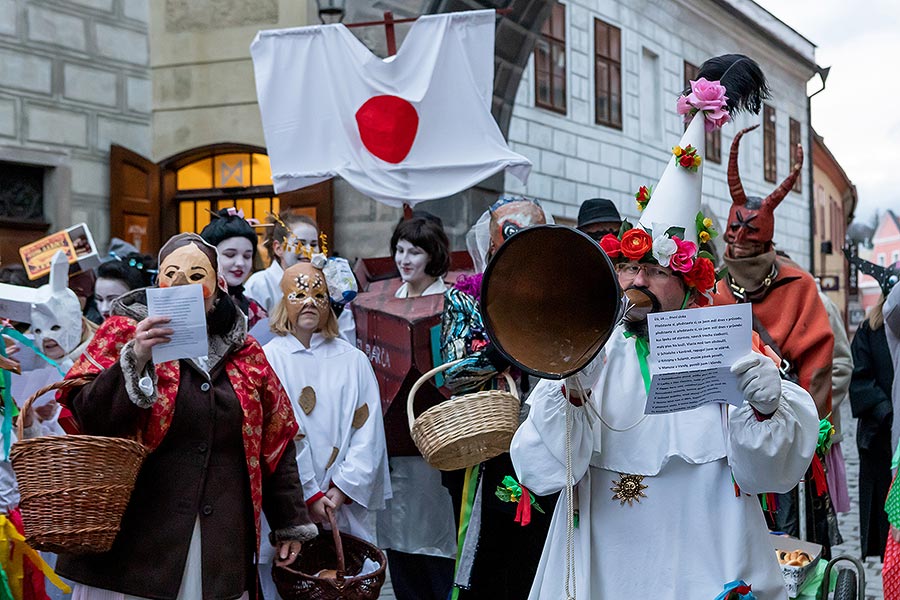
74 488
464 430
300 580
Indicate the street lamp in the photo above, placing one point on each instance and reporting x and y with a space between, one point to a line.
331 11
820 76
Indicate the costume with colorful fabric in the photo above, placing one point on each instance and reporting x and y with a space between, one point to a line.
268 418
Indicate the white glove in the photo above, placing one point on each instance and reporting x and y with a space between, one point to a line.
587 378
760 381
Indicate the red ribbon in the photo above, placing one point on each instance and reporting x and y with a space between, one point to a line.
818 476
523 510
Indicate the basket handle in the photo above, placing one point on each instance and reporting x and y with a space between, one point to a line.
59 385
439 369
338 545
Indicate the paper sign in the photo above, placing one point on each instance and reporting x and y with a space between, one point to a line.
15 302
24 385
261 332
691 353
36 256
183 304
75 242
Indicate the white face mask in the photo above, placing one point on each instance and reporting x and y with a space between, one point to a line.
59 317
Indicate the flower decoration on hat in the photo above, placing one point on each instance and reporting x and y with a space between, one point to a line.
672 227
643 196
705 231
687 158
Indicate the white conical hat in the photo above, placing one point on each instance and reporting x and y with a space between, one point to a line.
676 198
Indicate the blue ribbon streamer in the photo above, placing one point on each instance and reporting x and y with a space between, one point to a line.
31 346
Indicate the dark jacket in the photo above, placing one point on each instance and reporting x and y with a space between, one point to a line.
198 472
870 385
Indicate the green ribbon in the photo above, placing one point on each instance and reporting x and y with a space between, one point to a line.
9 407
465 515
642 347
895 461
5 591
826 431
510 490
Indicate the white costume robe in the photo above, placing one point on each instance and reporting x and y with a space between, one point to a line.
690 535
344 430
265 287
419 518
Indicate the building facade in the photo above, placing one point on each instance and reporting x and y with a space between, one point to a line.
835 201
595 110
74 78
168 86
885 251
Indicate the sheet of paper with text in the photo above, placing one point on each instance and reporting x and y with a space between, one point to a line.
691 353
183 304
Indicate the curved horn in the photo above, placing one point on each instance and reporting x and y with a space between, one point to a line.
775 198
734 177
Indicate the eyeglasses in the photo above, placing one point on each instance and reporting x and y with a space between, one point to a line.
598 235
631 270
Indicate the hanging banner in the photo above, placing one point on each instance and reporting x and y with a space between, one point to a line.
411 127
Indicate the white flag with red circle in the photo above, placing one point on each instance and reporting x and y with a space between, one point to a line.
412 127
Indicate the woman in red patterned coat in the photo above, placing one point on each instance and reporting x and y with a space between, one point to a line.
221 431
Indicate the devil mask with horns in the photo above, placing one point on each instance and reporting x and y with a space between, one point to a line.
751 222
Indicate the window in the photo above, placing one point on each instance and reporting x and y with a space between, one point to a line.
795 141
895 256
607 74
651 119
713 138
241 180
837 215
21 193
881 259
550 62
820 209
770 170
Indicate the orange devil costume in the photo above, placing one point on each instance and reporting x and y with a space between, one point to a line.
787 311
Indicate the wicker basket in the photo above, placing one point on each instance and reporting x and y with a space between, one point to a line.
347 553
74 488
465 430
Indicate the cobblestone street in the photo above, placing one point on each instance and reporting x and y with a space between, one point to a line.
849 523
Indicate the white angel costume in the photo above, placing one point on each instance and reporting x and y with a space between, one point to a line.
335 396
686 534
265 287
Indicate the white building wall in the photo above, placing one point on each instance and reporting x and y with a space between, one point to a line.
575 159
74 78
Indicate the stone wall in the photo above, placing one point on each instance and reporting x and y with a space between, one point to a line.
74 78
575 159
203 87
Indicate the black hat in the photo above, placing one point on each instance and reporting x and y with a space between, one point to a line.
598 210
225 225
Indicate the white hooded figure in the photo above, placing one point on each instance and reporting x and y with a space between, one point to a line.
56 320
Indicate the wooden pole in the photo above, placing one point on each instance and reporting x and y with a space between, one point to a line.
389 33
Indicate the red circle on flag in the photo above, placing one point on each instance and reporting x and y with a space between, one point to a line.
387 127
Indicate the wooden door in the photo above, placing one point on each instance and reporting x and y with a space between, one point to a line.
134 200
317 202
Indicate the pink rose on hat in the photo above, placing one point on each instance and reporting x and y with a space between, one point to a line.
683 259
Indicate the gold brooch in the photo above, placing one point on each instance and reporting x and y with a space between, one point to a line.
629 488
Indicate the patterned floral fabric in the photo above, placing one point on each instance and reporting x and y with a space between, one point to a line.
890 572
463 335
269 422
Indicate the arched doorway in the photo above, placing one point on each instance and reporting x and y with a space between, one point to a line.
150 202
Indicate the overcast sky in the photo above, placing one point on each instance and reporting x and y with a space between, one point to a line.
858 112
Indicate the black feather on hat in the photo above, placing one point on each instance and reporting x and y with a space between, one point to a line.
742 78
225 225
